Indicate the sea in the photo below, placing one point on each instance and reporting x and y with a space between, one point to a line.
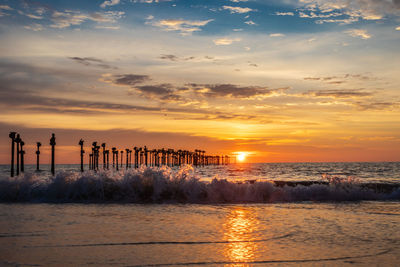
244 214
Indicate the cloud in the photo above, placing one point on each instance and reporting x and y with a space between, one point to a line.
213 117
239 10
150 1
34 27
169 57
339 21
312 78
32 16
90 61
109 3
329 17
130 79
18 76
26 89
232 91
160 91
336 80
5 7
13 94
27 101
250 22
351 10
226 41
284 13
314 15
276 35
176 58
185 27
376 105
12 98
363 34
69 17
339 93
107 27
341 77
172 93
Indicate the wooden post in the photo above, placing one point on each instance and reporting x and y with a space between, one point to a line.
94 144
52 143
97 157
103 145
130 158
38 144
18 140
82 152
12 136
127 158
22 153
113 152
145 156
116 155
140 156
136 157
108 159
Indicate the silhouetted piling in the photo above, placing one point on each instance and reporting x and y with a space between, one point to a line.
113 152
108 159
95 162
127 158
52 143
97 156
38 144
90 161
163 156
22 153
145 155
140 156
116 155
130 158
103 145
82 152
12 136
136 156
17 141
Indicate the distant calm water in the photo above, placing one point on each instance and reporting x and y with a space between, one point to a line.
180 217
366 171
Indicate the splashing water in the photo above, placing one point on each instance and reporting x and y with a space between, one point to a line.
165 185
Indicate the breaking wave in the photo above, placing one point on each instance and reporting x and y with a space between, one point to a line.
163 185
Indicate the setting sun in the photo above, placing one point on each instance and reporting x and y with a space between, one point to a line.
241 157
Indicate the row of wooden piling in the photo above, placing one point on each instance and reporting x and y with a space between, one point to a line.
142 156
20 166
148 157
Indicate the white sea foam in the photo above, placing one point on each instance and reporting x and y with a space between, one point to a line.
163 185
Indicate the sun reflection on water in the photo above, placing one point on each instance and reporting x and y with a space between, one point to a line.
240 226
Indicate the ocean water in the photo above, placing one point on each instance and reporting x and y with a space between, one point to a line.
288 214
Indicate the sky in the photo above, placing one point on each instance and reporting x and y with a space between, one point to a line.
281 81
